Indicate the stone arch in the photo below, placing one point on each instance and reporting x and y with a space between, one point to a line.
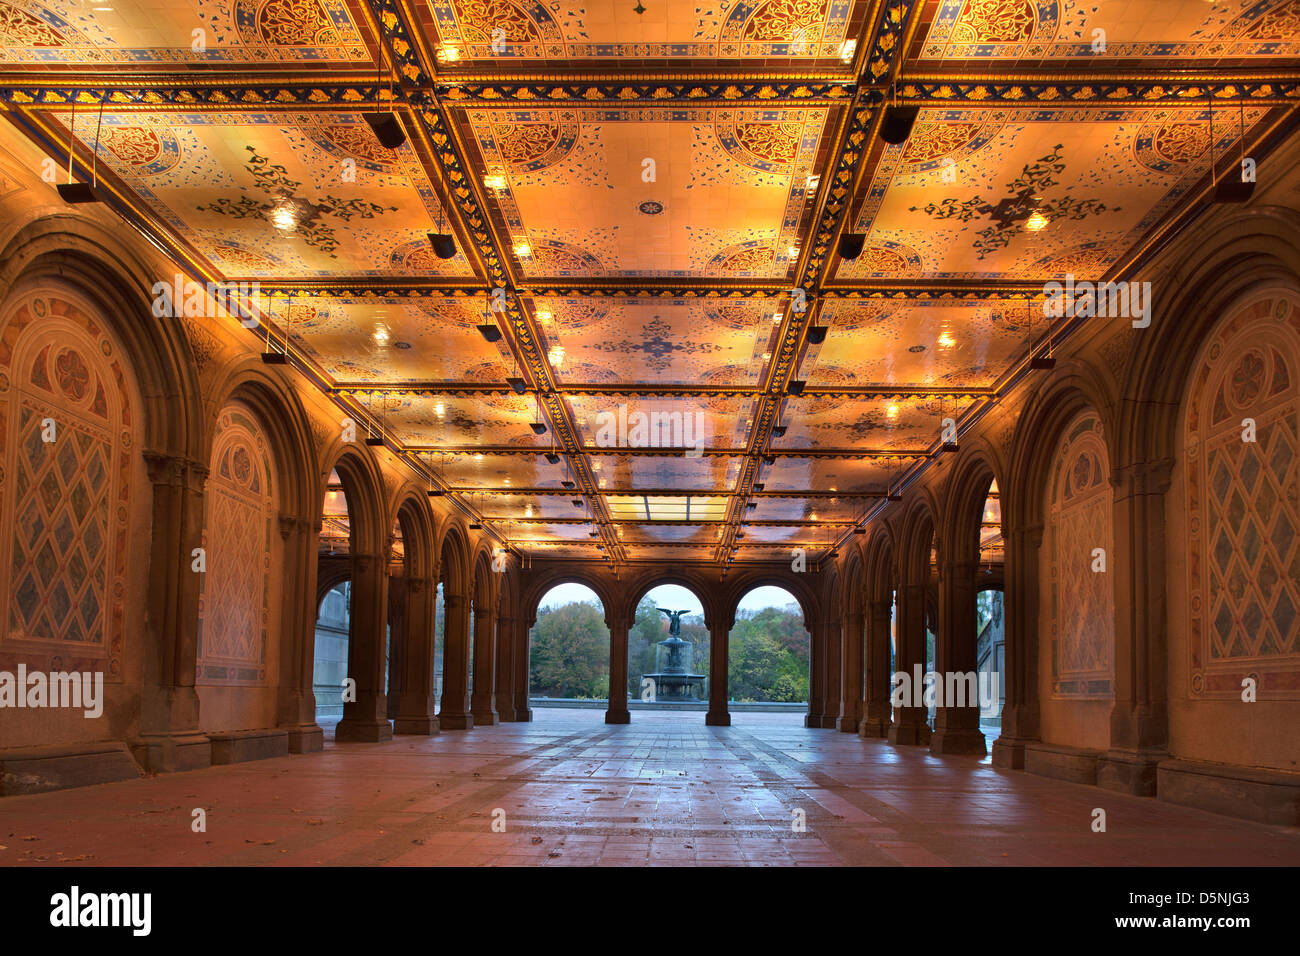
302 583
79 253
537 588
457 576
653 578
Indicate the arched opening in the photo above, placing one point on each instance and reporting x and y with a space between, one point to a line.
568 656
990 630
334 604
668 652
768 657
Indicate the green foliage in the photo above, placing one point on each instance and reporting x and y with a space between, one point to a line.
768 656
569 656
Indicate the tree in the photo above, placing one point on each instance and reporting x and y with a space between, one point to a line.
569 656
768 656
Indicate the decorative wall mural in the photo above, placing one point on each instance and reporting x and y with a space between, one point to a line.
68 500
239 528
1080 518
1243 515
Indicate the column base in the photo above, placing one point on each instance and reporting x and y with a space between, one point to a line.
456 721
959 741
172 753
523 716
717 719
1129 771
618 717
1009 752
506 714
909 734
488 718
416 726
874 727
363 731
305 738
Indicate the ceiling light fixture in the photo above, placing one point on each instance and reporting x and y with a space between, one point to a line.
897 124
75 194
386 126
850 245
1037 222
490 332
817 334
796 387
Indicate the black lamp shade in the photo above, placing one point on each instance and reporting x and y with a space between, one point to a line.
518 386
553 458
76 193
444 246
374 440
490 332
897 124
1230 190
1042 363
539 428
817 334
850 244
275 358
778 431
796 387
387 129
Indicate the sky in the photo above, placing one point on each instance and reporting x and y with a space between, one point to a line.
672 597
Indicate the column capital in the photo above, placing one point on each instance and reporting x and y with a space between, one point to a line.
1142 477
176 470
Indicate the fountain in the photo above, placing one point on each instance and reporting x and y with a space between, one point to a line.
673 680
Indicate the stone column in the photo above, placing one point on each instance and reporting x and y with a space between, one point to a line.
617 712
295 700
455 714
957 728
395 666
1139 719
834 679
909 726
484 703
170 738
719 640
816 674
416 705
522 711
875 707
505 671
1020 711
851 681
366 718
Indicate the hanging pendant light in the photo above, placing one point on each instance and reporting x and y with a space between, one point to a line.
77 193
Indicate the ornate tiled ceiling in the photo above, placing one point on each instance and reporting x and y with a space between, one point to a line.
646 197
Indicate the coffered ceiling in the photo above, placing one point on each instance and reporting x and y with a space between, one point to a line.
656 188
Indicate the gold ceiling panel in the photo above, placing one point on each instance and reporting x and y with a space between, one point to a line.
360 342
930 344
639 192
896 424
1077 31
659 341
836 474
1033 193
649 183
128 33
472 33
677 426
281 195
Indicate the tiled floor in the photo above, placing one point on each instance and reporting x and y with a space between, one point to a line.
569 790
